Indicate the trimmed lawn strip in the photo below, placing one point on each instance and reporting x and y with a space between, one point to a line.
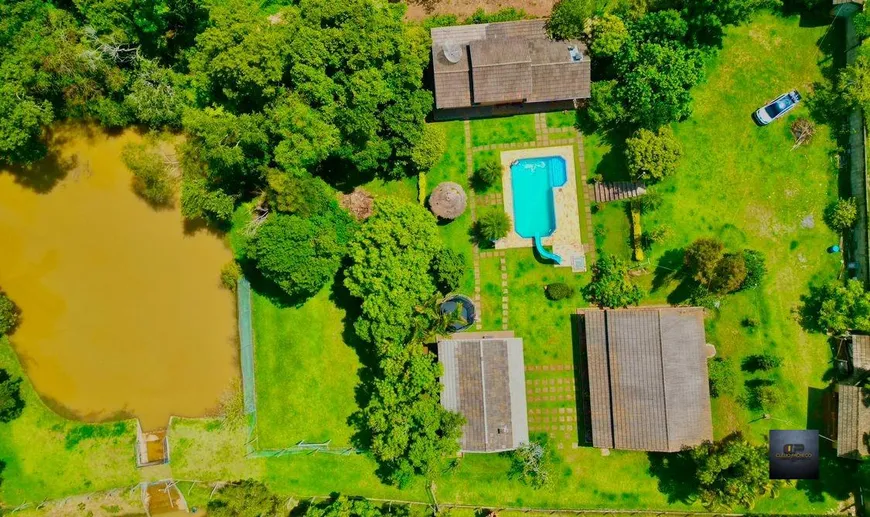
49 457
404 189
612 229
305 373
490 293
503 130
562 135
562 119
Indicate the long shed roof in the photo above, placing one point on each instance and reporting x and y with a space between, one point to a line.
497 63
861 352
484 379
648 382
853 422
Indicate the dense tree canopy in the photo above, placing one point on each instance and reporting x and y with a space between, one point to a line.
610 285
652 155
411 432
343 506
391 256
9 314
301 254
732 472
840 308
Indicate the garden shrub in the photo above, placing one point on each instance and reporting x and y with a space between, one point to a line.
559 291
487 175
842 214
448 267
532 463
151 179
243 498
652 155
493 225
723 377
762 362
230 275
610 285
756 269
607 34
702 257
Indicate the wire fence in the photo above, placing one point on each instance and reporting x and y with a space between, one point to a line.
249 389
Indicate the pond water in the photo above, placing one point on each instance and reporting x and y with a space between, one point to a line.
123 313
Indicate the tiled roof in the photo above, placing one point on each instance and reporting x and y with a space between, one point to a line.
861 352
648 383
504 63
853 422
484 379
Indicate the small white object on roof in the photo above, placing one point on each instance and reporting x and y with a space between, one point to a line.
452 52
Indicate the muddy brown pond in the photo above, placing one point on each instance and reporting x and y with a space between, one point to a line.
123 313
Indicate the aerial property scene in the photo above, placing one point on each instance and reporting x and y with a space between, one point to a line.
353 257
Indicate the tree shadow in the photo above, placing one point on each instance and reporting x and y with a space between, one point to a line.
668 269
613 166
42 176
676 474
191 227
811 305
752 398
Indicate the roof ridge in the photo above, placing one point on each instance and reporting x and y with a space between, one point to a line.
664 388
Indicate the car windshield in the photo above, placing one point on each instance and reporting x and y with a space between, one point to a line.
778 106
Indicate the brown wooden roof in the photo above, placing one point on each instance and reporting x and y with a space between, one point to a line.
504 63
484 379
853 422
648 383
861 352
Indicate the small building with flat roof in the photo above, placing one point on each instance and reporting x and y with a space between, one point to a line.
853 422
484 380
507 63
647 377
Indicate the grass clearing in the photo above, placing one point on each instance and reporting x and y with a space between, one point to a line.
503 130
48 457
562 119
305 373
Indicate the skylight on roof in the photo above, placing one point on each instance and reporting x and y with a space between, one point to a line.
575 53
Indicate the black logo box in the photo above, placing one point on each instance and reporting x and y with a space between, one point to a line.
794 454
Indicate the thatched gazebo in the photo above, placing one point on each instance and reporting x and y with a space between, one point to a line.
448 200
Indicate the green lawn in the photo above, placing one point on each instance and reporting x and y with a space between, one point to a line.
48 457
503 130
305 373
561 119
483 157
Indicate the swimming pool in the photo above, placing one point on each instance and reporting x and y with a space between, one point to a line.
533 181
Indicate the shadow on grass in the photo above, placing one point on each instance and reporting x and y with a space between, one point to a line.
269 289
581 381
676 475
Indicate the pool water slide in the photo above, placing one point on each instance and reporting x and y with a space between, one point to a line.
544 253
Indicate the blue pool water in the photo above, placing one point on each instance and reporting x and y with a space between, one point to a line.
533 181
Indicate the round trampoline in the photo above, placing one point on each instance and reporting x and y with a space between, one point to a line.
463 308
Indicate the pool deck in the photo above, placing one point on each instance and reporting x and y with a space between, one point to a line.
565 241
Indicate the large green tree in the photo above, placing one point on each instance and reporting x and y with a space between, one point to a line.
652 155
610 285
568 18
656 82
10 314
301 254
840 308
11 403
732 472
411 432
391 256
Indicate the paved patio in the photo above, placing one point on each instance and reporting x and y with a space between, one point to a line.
565 240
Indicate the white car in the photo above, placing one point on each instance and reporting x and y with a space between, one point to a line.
777 108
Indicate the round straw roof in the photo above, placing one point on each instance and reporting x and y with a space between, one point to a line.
448 200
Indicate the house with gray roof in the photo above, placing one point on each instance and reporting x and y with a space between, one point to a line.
853 421
507 63
484 380
647 378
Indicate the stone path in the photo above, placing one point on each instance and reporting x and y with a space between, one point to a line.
472 203
551 393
